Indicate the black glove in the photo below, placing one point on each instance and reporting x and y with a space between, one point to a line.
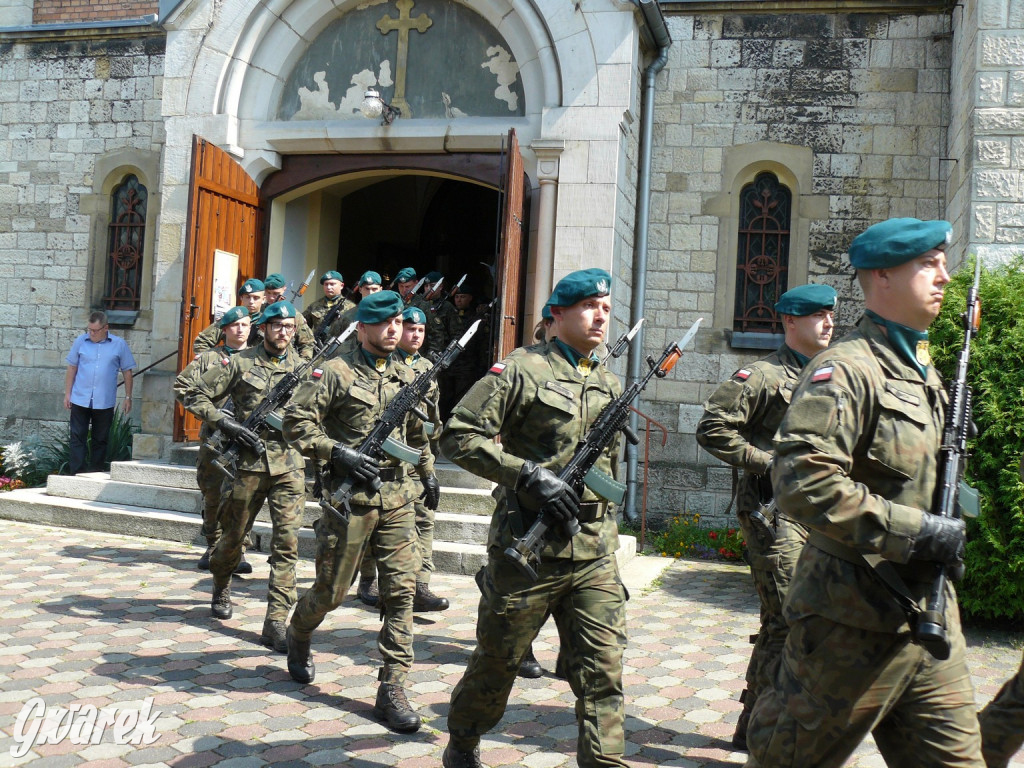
552 495
245 437
431 491
348 461
941 540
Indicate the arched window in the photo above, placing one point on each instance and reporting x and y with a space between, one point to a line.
762 258
127 236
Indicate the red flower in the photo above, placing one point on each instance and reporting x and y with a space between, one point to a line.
712 535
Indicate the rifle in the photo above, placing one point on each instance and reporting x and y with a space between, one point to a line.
302 288
379 441
930 630
580 471
228 449
622 344
320 335
433 291
414 289
451 293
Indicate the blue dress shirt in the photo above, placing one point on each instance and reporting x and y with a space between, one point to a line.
95 384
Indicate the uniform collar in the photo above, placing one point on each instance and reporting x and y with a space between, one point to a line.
407 357
379 364
892 362
910 344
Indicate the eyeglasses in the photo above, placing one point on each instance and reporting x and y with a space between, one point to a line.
96 330
279 327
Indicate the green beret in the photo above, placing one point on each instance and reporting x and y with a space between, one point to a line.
279 309
545 313
274 280
414 315
379 306
252 285
433 277
897 241
405 274
369 278
233 315
465 288
331 275
806 300
579 285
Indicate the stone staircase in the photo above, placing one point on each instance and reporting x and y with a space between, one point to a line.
160 500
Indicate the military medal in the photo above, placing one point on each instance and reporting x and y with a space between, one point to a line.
923 355
380 364
584 365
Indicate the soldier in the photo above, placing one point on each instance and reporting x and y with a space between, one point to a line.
1002 722
856 460
541 401
235 325
304 342
268 469
328 419
405 281
739 422
369 282
250 296
413 330
471 364
333 284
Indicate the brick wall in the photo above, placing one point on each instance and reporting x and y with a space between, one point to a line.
71 11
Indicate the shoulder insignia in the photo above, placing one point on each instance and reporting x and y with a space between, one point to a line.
317 373
225 361
742 374
823 374
497 368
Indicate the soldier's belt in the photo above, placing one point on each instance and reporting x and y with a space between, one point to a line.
915 570
390 474
591 511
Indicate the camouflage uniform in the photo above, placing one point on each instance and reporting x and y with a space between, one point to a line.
1002 722
433 338
276 476
738 424
315 313
341 404
469 366
303 339
424 516
542 406
856 462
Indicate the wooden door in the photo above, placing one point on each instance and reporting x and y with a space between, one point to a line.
509 269
223 214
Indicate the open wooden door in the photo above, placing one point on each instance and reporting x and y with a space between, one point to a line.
223 215
509 269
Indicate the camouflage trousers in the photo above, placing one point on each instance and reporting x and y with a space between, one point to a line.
339 550
424 545
771 567
210 481
588 600
286 496
836 683
1002 722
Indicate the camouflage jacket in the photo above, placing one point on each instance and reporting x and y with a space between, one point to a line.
247 379
856 458
315 313
433 337
341 402
418 364
190 375
741 416
542 407
302 339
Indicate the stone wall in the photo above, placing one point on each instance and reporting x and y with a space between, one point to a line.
868 95
69 108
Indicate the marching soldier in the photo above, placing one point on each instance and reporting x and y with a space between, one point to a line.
369 282
250 296
1002 722
268 468
541 401
304 342
413 330
235 325
738 425
328 419
856 462
333 284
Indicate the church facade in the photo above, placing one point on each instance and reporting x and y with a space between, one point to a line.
708 154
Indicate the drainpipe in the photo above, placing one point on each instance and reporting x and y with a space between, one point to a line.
655 23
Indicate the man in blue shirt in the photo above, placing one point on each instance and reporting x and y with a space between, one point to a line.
90 389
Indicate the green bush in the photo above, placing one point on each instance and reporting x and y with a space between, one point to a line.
993 587
686 537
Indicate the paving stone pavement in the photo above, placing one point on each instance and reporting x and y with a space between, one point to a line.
87 618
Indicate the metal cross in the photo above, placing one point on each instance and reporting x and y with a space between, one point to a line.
403 24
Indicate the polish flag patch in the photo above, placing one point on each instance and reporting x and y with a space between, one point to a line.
317 373
823 374
225 360
497 368
742 374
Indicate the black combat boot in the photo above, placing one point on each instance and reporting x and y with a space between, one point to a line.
529 667
300 658
393 707
562 665
244 567
367 591
204 561
739 737
456 758
426 601
220 606
273 635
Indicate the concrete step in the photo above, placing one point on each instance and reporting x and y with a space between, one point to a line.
34 505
